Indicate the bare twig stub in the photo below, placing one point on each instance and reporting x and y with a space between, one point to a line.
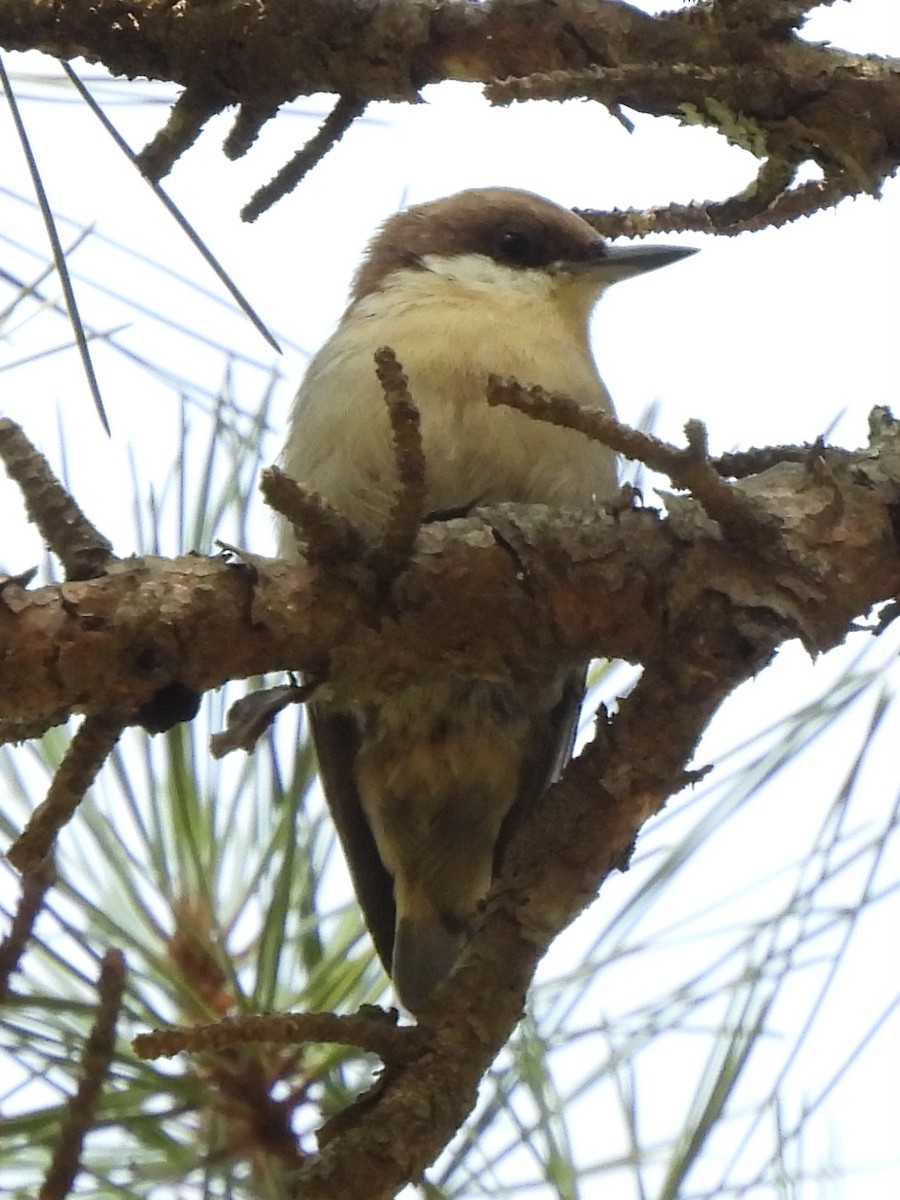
87 752
408 509
82 550
95 1062
245 130
328 536
189 114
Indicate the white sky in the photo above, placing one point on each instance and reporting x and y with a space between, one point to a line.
768 338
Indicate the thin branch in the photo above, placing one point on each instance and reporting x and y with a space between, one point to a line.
689 468
332 129
609 84
760 200
83 551
370 1029
34 887
88 750
95 1062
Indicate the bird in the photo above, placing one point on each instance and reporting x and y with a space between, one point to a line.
425 784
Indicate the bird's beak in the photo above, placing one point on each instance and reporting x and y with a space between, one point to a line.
611 264
615 263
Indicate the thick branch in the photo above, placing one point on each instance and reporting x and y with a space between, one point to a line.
617 584
728 66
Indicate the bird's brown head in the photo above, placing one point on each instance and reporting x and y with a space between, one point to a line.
513 228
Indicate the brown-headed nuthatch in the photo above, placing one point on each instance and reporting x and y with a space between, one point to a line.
423 785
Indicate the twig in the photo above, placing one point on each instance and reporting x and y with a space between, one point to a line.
712 216
328 535
783 145
802 201
370 1029
83 551
189 114
332 129
95 1061
34 887
739 464
87 752
408 509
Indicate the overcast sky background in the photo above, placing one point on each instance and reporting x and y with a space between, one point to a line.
769 338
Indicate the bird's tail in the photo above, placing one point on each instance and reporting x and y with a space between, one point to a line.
425 952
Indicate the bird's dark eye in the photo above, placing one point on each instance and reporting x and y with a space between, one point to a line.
518 247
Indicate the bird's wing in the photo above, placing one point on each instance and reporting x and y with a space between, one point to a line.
336 740
549 749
